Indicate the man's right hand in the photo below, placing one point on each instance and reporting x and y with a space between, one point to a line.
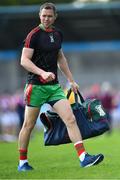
47 77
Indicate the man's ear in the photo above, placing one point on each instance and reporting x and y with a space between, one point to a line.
56 15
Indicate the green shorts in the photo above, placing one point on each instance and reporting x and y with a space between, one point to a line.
37 95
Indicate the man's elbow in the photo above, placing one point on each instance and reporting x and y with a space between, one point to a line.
22 63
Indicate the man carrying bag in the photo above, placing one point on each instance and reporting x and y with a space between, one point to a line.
91 119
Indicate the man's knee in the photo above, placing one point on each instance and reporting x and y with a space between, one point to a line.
28 126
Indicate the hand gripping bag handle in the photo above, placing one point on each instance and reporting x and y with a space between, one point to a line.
76 96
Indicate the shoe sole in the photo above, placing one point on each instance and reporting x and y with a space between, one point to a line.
23 170
97 161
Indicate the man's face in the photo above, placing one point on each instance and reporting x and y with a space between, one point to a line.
47 17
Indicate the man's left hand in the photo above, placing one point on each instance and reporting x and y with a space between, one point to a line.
74 86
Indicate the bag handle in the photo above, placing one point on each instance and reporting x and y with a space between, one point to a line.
80 96
75 96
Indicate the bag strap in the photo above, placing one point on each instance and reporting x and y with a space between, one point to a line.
80 96
69 93
75 96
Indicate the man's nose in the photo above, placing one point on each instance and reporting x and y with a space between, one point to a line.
46 18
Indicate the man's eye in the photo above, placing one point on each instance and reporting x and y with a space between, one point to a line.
47 16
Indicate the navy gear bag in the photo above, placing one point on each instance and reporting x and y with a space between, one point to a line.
91 118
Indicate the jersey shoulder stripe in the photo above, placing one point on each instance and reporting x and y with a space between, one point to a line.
29 36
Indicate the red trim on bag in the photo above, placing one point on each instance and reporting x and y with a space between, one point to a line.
89 112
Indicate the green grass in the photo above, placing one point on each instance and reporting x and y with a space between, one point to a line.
61 162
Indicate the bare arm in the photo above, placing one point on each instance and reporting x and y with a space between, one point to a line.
26 62
63 66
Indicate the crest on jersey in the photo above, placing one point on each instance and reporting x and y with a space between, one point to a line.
51 37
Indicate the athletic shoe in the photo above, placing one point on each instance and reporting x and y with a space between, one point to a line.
25 167
91 160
